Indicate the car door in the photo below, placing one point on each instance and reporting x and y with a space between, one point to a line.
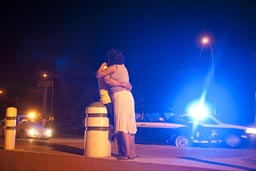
152 132
153 128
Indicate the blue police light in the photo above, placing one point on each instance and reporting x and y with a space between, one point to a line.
198 109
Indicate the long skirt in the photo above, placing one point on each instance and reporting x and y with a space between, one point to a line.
124 112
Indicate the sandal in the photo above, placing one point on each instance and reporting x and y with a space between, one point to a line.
123 158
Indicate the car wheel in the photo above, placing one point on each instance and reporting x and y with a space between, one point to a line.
182 141
22 135
233 141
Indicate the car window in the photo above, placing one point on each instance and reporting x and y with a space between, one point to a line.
153 117
139 117
178 120
24 121
159 117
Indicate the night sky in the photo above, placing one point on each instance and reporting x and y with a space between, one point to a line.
160 42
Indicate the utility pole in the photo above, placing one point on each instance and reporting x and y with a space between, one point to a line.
44 83
254 70
44 104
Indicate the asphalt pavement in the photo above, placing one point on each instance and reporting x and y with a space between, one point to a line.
69 151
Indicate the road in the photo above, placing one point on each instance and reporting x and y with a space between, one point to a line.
162 153
75 145
77 142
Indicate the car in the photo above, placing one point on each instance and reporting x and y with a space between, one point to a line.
158 128
29 128
209 129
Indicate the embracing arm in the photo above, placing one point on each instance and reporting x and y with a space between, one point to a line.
102 72
102 67
112 82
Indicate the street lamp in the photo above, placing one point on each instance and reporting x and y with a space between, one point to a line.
205 40
44 83
45 75
45 90
2 94
254 59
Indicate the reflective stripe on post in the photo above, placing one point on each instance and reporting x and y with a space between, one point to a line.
10 128
95 119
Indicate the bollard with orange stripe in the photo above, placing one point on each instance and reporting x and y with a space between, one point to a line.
10 128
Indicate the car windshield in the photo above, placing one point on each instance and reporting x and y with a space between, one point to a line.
25 119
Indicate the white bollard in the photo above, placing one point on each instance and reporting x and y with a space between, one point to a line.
97 142
10 128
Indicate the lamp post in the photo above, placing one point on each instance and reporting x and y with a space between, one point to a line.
254 69
45 91
207 41
52 97
44 83
3 94
3 101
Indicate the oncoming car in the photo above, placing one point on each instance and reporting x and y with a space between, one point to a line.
27 128
156 128
209 129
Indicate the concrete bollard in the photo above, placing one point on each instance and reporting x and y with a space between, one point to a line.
10 128
96 140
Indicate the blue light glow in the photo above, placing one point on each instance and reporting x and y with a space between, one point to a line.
198 108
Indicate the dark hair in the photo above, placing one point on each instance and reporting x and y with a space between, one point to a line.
115 57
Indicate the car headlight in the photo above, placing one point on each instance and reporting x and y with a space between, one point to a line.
32 132
48 132
250 130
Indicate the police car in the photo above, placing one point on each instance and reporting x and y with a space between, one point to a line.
208 129
185 130
161 128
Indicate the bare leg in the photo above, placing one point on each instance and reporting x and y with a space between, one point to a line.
132 141
120 144
127 144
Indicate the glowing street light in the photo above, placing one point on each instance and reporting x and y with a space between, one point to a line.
44 75
205 40
2 94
